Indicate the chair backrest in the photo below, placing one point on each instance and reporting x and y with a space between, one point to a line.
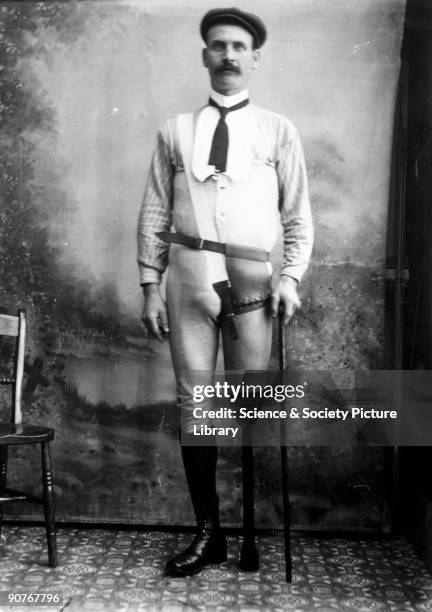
15 326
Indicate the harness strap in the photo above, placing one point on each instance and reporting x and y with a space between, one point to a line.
230 250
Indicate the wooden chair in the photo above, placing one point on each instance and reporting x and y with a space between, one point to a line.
14 433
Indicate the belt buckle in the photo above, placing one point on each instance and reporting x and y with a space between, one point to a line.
200 244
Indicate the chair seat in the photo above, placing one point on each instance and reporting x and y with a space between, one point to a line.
24 434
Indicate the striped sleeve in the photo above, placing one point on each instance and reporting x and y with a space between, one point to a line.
294 204
156 211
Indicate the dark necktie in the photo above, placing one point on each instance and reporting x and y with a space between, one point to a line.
219 148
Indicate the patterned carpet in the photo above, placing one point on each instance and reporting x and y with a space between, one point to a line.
101 569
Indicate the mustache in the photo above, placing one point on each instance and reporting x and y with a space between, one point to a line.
227 66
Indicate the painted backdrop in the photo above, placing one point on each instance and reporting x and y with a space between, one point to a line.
84 87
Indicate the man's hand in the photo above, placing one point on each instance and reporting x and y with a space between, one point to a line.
285 298
154 315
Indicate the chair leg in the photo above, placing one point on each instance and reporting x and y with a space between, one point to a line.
48 495
3 477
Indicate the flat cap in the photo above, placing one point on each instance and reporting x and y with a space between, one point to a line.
234 16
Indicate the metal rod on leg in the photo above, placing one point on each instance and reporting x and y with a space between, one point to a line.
284 462
249 558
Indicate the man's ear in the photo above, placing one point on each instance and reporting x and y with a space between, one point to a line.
204 57
256 58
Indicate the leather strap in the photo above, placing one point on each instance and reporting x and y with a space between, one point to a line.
230 250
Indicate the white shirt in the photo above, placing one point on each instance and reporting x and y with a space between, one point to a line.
264 187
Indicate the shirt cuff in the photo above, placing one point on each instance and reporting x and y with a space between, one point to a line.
149 275
293 272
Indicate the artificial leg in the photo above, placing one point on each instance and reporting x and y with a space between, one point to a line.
251 351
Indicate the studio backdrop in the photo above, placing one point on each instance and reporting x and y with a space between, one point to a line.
84 87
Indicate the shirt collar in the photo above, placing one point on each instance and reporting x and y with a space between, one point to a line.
228 101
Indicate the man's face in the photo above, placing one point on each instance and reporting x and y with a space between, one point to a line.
229 58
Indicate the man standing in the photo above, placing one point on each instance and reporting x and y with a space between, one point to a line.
222 181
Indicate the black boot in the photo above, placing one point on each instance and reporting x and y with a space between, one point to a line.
209 544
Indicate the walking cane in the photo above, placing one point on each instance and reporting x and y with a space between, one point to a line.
284 461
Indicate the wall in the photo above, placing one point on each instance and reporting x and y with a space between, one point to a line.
91 83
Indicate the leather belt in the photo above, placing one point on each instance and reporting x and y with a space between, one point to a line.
230 250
